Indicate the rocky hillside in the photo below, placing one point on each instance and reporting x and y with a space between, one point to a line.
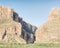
50 31
12 26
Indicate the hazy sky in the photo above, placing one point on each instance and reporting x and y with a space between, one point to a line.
32 11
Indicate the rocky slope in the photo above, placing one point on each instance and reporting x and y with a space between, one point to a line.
50 31
11 26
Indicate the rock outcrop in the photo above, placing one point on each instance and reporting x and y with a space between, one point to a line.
10 30
50 31
12 26
28 32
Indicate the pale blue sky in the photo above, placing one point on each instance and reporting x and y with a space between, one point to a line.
34 12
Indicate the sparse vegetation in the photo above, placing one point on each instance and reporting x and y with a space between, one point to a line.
18 45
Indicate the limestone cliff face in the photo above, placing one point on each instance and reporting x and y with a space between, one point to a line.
6 12
54 14
50 31
12 26
10 30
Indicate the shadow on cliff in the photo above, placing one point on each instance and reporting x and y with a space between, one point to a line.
28 30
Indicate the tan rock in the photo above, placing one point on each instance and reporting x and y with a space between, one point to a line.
10 30
50 31
12 27
6 12
54 14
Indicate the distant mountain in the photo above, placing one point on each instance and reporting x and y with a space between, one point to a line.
13 28
50 31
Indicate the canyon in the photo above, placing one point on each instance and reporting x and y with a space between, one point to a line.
13 28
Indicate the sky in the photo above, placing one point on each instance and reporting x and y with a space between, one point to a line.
35 12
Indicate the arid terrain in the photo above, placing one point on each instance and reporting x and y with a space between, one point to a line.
13 28
17 33
50 31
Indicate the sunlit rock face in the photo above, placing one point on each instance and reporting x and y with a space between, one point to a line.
13 27
6 12
50 31
54 14
10 30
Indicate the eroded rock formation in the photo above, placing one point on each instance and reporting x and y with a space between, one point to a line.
50 31
12 26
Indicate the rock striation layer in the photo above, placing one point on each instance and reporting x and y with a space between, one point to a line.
12 26
50 31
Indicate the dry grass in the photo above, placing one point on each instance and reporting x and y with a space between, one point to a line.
18 45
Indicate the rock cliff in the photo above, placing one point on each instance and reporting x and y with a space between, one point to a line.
12 25
50 31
